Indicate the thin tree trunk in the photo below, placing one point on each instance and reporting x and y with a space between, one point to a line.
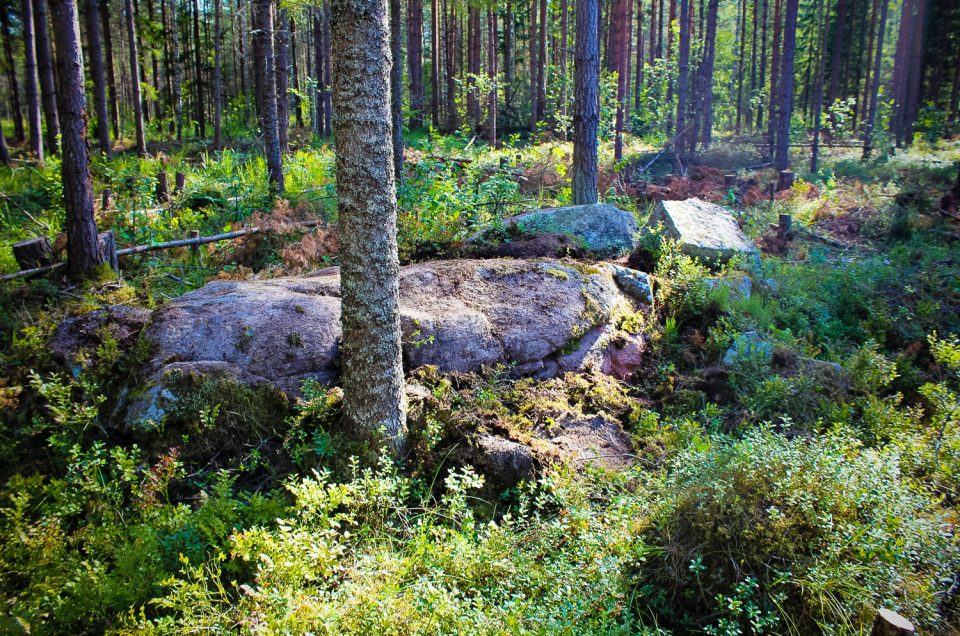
415 61
327 70
177 70
135 78
155 67
708 65
751 111
96 73
534 66
369 267
493 73
48 89
638 81
542 66
167 63
4 151
435 63
863 104
15 108
837 53
83 249
785 111
450 35
319 124
473 65
915 75
271 136
818 88
618 23
217 74
282 62
200 113
396 86
763 64
564 75
31 82
683 75
508 58
741 43
586 101
774 77
294 58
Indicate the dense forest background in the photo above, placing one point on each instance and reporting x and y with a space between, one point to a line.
377 317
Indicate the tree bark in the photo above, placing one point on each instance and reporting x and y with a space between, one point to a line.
201 112
177 70
217 74
48 90
508 59
282 62
4 151
327 69
450 35
618 40
837 53
97 74
295 63
135 78
319 124
31 82
473 65
763 63
708 65
415 61
83 248
818 89
683 76
15 108
109 63
542 66
271 136
534 65
396 86
774 76
369 269
564 75
785 111
586 101
493 73
435 63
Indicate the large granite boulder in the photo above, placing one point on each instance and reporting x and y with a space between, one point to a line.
705 230
540 318
600 228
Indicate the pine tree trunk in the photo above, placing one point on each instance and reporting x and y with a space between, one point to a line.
15 109
200 112
586 101
83 249
473 65
785 110
319 124
683 76
564 74
741 43
508 60
217 74
837 53
818 88
542 66
774 77
327 70
155 67
48 89
135 77
708 66
167 64
751 111
435 63
618 40
282 62
396 86
294 58
415 61
96 73
640 58
369 268
31 82
450 37
493 74
177 70
534 65
4 151
763 63
267 69
111 73
915 74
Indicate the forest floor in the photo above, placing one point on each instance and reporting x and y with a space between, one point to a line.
765 497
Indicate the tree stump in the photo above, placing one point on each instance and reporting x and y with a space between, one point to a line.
162 193
180 182
784 225
772 191
106 199
729 181
889 623
108 248
195 249
784 180
32 253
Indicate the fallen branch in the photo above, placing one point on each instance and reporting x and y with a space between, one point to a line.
139 249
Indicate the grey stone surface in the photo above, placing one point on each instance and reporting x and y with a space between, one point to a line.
748 345
740 287
504 461
636 284
541 318
705 230
601 228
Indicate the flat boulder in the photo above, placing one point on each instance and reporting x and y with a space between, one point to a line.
705 230
539 318
603 229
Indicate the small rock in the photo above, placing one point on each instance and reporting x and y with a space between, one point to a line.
506 463
705 230
637 285
748 345
603 229
597 440
740 286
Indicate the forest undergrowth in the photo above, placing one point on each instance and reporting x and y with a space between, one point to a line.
767 498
